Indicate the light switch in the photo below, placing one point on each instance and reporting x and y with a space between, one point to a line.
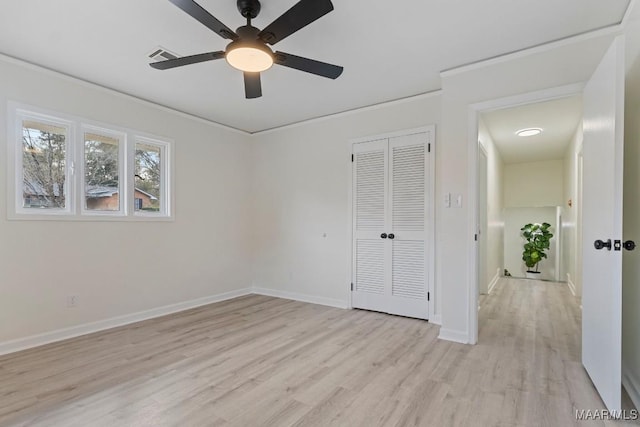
447 200
458 201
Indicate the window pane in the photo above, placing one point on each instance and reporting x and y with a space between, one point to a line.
147 177
102 184
43 165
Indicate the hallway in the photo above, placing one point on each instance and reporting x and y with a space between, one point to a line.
535 327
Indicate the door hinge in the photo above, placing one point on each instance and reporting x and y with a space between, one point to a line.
428 147
617 245
475 237
428 296
352 158
352 286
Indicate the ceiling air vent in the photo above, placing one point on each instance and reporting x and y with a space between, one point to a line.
162 54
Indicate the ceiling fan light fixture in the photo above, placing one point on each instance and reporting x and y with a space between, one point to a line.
252 58
529 132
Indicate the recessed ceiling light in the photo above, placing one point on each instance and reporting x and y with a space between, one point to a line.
529 132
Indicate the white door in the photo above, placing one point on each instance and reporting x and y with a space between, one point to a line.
602 221
391 179
370 219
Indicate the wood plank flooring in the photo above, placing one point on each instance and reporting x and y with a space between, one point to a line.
259 360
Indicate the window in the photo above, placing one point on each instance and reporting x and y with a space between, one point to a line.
102 160
115 178
43 164
148 171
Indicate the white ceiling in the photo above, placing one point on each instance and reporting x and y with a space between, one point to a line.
558 120
390 50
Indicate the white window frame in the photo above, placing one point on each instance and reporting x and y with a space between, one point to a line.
165 176
16 158
122 175
75 209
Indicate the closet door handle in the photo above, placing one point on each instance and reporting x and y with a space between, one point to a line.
599 244
392 236
383 236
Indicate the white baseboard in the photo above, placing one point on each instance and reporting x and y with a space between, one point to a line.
455 336
436 319
631 383
571 285
494 281
88 328
300 297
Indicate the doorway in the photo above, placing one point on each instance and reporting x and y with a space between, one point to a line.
532 178
602 205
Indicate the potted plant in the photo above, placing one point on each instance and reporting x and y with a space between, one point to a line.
537 238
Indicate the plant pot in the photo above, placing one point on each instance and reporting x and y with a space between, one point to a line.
532 275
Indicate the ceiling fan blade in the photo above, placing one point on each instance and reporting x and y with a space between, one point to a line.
308 65
299 16
199 13
187 60
252 85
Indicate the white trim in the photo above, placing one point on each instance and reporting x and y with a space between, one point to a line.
16 115
494 281
88 84
349 228
394 134
474 111
311 299
436 319
627 13
461 337
548 94
544 47
571 285
631 383
473 226
88 328
166 176
81 164
372 107
164 108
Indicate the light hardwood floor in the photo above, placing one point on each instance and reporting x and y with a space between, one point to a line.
259 360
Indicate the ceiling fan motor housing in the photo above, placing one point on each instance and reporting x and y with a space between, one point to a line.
248 37
249 8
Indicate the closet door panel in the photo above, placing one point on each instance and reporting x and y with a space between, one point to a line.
371 255
408 208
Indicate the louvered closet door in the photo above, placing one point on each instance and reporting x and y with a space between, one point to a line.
409 197
371 253
391 195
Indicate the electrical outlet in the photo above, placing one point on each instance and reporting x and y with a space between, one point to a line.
72 301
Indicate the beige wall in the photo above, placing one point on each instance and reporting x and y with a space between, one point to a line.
120 268
301 193
514 220
534 184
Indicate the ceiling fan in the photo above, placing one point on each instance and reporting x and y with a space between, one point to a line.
248 50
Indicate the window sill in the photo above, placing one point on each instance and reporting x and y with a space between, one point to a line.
89 218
